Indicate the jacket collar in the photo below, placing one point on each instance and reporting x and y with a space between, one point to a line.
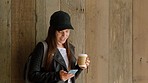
58 57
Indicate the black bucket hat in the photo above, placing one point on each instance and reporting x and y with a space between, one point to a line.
60 20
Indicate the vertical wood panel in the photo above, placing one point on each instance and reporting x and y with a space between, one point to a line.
23 36
51 7
140 41
120 41
97 27
44 9
5 41
40 20
76 9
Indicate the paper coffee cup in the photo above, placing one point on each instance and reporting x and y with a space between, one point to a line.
82 59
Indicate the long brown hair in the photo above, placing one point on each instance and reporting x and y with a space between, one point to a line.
52 47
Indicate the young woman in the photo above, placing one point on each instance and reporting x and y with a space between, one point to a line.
60 54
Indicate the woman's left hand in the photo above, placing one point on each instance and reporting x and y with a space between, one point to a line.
87 61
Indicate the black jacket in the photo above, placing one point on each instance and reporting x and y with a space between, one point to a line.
37 74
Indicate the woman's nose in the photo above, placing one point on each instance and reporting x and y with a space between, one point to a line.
63 34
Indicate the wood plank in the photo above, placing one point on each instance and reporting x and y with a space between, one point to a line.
50 9
77 37
140 41
5 41
120 41
40 20
97 31
23 36
44 9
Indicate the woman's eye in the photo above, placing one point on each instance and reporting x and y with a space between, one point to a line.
67 31
60 31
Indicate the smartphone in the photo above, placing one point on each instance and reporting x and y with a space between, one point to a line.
73 71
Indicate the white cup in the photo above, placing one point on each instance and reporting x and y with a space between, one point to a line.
81 60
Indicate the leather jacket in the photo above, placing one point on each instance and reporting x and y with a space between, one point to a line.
37 74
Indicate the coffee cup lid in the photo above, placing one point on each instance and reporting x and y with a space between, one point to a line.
83 55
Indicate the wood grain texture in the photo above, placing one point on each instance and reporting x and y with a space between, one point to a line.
51 7
114 37
5 41
97 31
76 9
40 12
120 41
23 36
140 41
44 9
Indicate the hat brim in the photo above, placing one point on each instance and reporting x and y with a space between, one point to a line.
62 27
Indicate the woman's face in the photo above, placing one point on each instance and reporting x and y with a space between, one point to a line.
62 36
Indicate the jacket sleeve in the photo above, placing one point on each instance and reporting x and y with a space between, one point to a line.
78 72
75 65
36 74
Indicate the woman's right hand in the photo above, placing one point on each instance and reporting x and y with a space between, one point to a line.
65 75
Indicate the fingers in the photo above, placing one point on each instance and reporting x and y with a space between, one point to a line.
65 76
70 75
63 72
87 61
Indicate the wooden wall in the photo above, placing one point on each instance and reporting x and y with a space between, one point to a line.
140 41
5 41
97 34
22 35
113 34
109 41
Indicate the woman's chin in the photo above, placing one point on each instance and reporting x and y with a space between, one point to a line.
62 42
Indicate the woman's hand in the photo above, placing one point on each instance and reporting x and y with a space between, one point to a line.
65 76
87 61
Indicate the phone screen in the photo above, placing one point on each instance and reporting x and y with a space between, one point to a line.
73 71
